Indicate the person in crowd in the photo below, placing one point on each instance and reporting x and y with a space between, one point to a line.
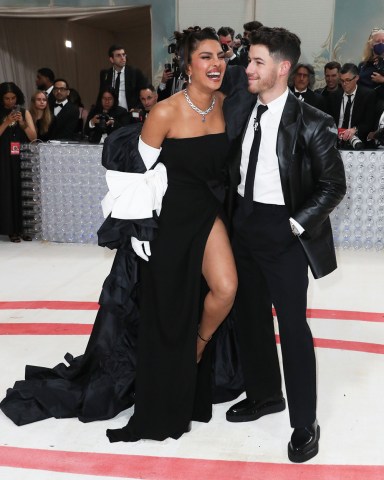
291 178
353 109
376 138
105 116
167 85
65 114
242 51
332 79
41 114
302 80
16 128
226 36
148 98
125 79
187 273
371 69
44 81
74 97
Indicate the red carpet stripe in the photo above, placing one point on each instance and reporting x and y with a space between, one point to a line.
346 345
45 328
85 329
49 305
69 305
163 468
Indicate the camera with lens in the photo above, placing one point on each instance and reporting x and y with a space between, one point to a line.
103 119
225 47
171 48
356 143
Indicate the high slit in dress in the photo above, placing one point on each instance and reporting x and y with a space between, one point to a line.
150 359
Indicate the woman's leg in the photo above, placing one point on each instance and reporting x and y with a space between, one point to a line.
219 271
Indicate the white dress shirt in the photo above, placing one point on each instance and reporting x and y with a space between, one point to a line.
57 110
343 107
121 95
267 186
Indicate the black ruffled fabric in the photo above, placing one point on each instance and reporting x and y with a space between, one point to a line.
101 383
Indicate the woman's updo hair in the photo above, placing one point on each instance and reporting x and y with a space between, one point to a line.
188 41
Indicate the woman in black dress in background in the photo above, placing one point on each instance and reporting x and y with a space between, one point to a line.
16 127
157 352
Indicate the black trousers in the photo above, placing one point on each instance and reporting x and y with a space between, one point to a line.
273 269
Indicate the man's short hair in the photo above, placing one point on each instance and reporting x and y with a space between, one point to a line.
349 68
62 80
251 26
332 65
113 48
47 72
281 43
225 31
150 87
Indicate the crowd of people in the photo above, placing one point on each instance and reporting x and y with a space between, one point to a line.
240 175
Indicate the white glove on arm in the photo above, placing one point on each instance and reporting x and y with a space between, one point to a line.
149 155
141 248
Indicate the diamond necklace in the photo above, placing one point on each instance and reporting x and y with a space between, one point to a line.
203 113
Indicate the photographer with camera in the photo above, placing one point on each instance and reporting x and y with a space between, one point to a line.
105 116
226 38
242 51
353 109
172 80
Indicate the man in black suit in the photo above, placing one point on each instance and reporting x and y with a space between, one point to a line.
65 113
126 80
332 79
353 109
44 81
291 178
302 81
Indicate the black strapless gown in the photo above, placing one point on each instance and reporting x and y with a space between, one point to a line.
151 360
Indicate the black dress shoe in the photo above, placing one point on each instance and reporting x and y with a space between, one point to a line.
304 443
249 410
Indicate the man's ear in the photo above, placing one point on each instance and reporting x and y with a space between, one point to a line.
285 67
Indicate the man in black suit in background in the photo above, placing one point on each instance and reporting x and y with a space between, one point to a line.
44 82
353 109
302 80
126 80
65 113
291 178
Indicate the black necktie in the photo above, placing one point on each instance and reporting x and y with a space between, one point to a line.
59 105
253 154
300 95
347 113
117 84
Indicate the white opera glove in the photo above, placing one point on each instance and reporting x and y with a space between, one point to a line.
142 248
148 154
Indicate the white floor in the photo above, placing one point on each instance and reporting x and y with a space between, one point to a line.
350 355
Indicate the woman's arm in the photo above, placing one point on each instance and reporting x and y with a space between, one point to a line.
158 123
27 125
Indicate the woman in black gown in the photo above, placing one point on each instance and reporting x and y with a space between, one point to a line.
186 288
16 127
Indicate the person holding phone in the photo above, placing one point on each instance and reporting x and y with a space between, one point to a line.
16 127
